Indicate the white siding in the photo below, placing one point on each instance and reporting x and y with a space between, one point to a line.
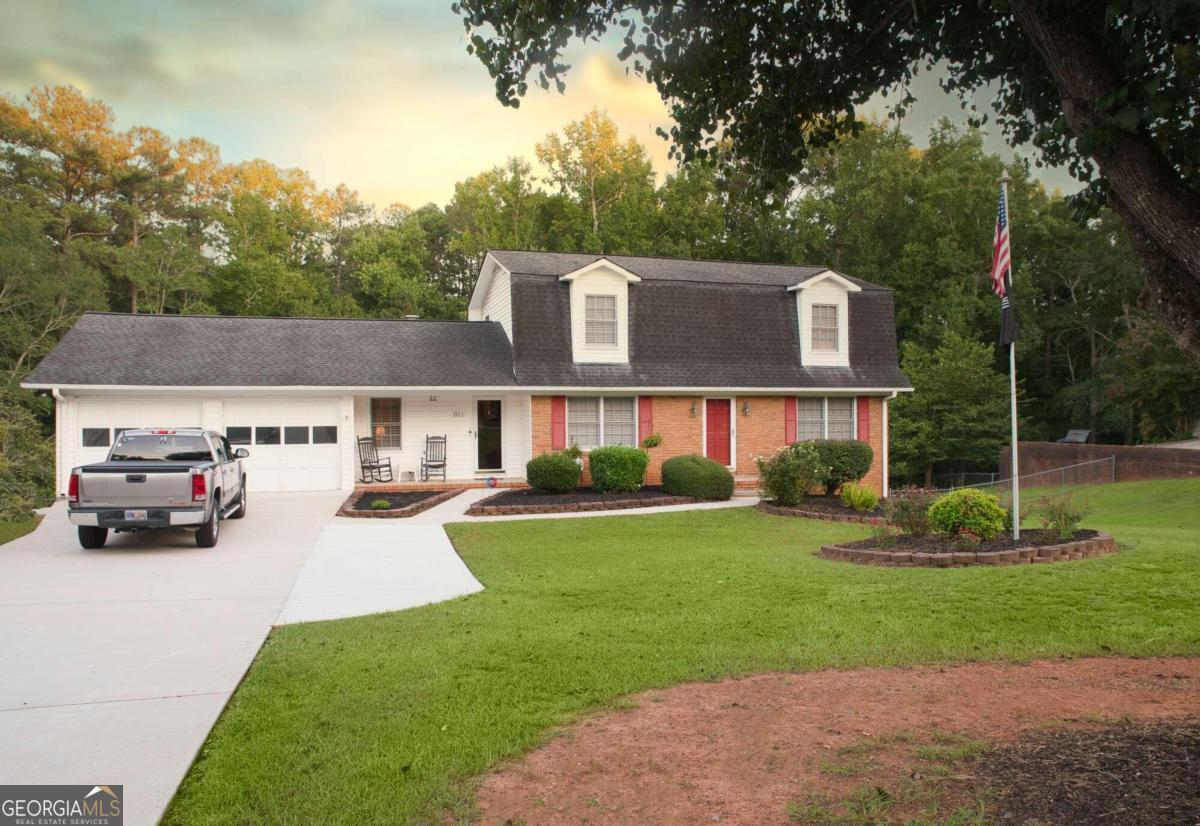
451 415
826 292
498 304
600 281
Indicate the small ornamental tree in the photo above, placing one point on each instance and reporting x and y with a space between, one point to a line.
789 475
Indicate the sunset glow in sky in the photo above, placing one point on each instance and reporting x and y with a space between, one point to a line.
380 96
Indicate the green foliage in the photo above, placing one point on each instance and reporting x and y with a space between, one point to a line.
908 509
697 477
848 460
859 497
789 475
26 460
1061 513
380 504
618 468
967 511
652 441
958 410
553 472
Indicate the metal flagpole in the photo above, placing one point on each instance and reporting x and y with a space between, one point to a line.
1012 376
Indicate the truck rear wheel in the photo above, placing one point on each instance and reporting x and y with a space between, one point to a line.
207 536
92 537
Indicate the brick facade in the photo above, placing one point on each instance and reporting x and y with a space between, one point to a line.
758 432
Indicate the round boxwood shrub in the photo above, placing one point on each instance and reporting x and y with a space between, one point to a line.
553 472
967 510
789 475
848 460
617 468
697 477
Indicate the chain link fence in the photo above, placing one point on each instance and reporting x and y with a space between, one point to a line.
1055 480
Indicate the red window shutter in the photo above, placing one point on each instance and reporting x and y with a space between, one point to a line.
864 418
558 422
789 419
645 416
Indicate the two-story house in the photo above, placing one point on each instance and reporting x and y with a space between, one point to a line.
729 360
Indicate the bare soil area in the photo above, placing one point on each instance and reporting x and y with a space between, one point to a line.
955 744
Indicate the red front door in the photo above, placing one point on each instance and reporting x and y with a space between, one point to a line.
716 439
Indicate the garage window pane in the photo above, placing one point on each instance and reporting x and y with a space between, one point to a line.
385 422
324 434
95 437
238 435
295 435
266 435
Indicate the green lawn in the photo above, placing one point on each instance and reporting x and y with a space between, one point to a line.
390 719
16 529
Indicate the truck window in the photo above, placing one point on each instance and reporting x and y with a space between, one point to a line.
151 447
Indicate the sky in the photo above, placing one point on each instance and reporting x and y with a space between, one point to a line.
381 96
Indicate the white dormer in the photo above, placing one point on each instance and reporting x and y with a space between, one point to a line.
600 312
823 310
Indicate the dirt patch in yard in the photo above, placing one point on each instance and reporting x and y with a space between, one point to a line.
978 743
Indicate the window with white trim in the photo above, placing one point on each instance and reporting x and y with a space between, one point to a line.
810 419
593 421
385 422
600 320
825 418
825 328
839 418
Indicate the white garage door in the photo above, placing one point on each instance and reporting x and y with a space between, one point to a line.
293 443
100 420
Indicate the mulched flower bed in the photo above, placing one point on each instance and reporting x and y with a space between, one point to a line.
1134 773
940 552
823 507
528 500
400 503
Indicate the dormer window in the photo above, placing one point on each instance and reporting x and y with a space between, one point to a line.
600 312
825 328
823 315
600 320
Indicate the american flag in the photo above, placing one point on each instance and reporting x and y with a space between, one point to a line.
1001 261
1002 274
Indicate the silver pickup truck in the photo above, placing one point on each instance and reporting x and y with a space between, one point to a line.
159 478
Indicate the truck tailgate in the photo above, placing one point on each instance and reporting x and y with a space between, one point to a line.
140 484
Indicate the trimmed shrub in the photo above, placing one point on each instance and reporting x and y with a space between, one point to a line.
859 497
848 460
697 477
380 504
1060 513
908 509
618 469
967 511
553 472
790 474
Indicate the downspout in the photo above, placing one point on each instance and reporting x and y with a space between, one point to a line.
58 451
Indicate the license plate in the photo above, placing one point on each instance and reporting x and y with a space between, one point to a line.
135 516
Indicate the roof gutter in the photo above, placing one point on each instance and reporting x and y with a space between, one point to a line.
338 390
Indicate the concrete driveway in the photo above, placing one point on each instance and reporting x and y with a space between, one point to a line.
114 664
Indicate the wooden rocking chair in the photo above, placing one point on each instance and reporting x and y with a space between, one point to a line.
434 459
374 469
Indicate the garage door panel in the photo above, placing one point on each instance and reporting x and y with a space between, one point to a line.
284 453
114 415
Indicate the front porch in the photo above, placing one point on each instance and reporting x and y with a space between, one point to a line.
487 437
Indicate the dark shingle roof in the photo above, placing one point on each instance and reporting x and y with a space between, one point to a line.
668 269
701 335
116 348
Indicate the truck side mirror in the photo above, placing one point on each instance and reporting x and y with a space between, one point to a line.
241 453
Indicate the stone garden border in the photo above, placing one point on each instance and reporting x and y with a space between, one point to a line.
348 509
1101 544
780 510
481 508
